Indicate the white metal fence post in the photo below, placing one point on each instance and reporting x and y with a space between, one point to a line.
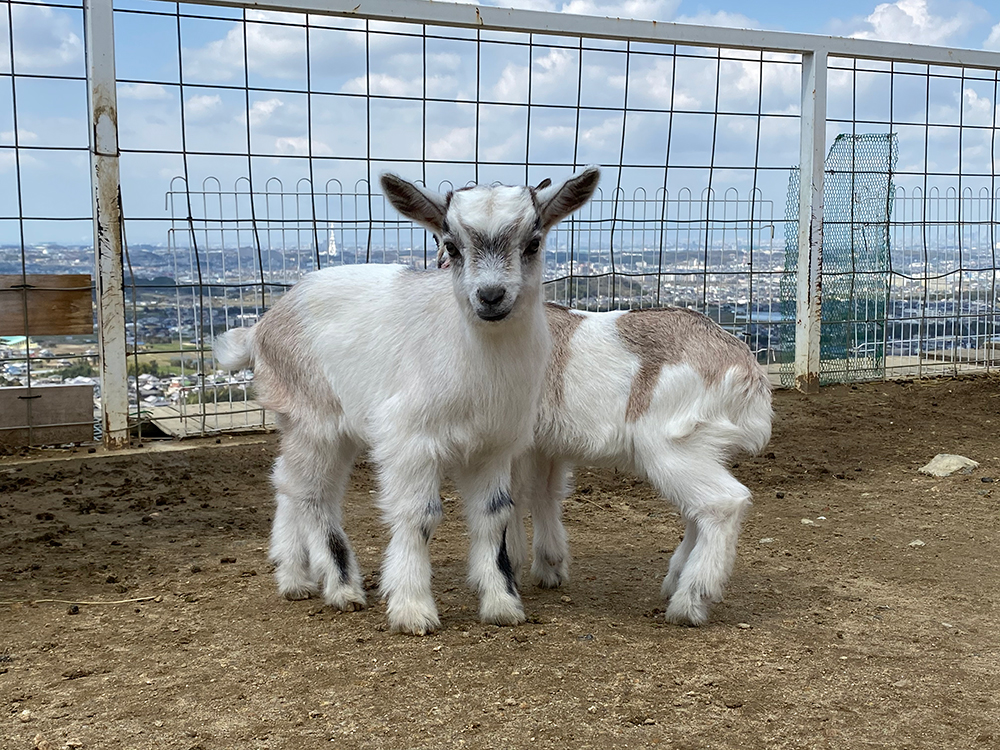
809 277
106 190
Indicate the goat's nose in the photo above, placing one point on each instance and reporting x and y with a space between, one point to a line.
491 295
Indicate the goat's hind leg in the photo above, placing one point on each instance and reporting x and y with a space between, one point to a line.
308 543
679 558
713 504
550 563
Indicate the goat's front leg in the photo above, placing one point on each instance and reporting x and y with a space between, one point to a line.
490 512
550 566
411 506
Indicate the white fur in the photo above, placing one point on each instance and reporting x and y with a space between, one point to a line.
417 367
682 444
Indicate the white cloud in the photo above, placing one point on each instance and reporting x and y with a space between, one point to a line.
202 107
24 137
274 51
262 110
645 9
658 10
141 91
382 84
993 40
457 143
47 41
299 146
916 22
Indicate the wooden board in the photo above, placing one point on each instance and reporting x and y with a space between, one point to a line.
59 414
58 305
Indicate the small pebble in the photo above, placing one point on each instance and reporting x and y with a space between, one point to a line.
766 540
73 610
986 480
565 600
25 716
743 625
917 543
808 522
779 495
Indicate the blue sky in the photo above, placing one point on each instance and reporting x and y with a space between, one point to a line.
48 41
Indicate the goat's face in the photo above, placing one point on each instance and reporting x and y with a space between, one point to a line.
492 236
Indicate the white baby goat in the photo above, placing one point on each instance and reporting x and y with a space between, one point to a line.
664 394
435 372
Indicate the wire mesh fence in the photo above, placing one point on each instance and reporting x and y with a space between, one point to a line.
248 141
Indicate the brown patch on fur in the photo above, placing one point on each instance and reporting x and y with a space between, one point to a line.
562 326
285 375
672 335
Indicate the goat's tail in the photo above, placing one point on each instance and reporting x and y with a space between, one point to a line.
233 350
749 407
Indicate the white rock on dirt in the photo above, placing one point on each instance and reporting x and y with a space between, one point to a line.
917 543
946 464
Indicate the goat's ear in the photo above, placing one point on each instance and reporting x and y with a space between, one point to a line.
424 206
559 201
543 184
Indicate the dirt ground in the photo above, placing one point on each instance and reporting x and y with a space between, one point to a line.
863 612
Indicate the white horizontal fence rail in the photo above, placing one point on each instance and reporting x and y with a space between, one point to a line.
249 211
624 29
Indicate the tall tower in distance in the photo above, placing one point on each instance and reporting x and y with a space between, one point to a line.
331 244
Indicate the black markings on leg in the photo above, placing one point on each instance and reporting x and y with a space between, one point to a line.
503 563
339 549
499 503
433 513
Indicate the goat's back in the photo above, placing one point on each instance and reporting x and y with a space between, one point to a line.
622 379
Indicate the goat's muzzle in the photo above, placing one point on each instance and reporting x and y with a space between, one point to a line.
493 303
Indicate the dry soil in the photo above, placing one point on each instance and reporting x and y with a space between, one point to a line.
863 611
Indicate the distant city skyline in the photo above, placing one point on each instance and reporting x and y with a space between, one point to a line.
285 126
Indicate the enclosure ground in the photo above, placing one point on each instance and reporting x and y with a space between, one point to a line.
839 629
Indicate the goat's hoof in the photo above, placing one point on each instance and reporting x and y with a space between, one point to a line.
549 578
413 620
297 593
347 601
415 628
669 587
510 612
684 610
352 604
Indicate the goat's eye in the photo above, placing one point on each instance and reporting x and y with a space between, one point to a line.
452 249
532 247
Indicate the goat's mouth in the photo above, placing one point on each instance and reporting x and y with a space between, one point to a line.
492 316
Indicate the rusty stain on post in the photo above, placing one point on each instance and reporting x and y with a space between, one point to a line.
106 188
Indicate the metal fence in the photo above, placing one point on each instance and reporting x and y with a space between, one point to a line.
233 149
